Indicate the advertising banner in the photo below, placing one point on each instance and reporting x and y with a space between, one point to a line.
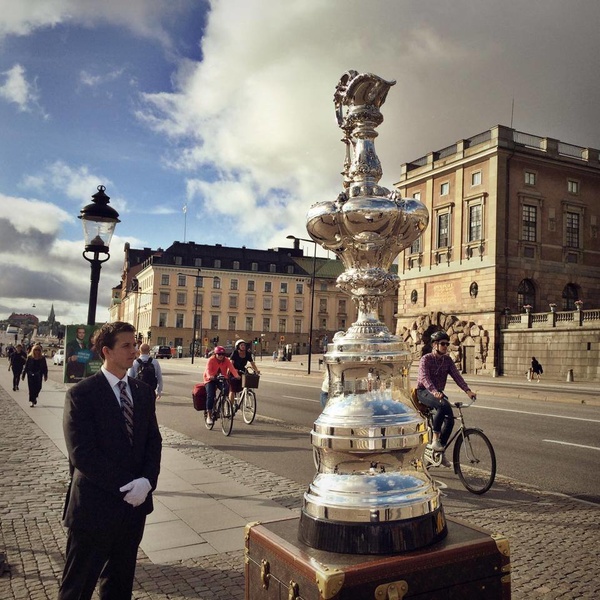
81 358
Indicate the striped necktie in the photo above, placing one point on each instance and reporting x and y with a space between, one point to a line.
127 408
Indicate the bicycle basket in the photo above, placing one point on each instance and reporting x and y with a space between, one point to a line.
250 380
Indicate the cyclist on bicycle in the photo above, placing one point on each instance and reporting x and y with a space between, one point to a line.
240 357
434 369
218 364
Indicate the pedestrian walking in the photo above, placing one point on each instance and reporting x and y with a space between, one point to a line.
114 448
16 362
36 369
147 369
536 368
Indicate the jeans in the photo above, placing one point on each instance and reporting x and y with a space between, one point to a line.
211 390
443 417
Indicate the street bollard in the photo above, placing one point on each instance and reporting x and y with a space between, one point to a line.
570 375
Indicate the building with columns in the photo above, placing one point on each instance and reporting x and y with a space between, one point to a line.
513 229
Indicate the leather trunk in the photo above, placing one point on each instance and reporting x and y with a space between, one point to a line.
469 564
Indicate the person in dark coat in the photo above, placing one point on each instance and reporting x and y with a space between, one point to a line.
536 368
16 362
36 369
114 447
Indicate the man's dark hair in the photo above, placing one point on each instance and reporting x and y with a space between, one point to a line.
107 335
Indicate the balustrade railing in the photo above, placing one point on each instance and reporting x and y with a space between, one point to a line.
566 318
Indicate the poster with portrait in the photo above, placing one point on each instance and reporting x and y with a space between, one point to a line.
81 357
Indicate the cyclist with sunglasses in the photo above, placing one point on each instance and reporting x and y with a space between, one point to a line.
434 369
218 364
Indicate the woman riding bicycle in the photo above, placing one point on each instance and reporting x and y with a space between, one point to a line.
434 369
218 364
240 357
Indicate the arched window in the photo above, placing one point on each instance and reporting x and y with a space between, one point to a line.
569 296
216 283
526 294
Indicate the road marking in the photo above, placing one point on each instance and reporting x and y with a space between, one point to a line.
569 444
524 412
297 398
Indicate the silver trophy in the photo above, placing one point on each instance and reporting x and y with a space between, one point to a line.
372 493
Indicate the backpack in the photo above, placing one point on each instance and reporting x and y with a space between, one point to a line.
147 373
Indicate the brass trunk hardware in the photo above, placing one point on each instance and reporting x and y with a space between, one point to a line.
329 582
265 573
396 590
293 591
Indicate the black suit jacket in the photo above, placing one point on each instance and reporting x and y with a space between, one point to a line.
101 457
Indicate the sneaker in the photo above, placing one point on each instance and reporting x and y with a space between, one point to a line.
437 446
445 462
209 420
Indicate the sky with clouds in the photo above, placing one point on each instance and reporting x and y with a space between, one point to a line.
225 106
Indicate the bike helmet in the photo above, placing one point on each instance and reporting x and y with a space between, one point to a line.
238 342
220 350
438 336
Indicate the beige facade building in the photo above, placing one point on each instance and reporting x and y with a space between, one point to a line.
216 292
513 228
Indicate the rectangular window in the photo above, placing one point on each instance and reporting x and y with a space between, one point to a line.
217 263
197 322
272 268
444 189
181 280
572 230
342 307
529 178
266 324
250 285
250 302
268 303
322 304
299 288
233 301
299 305
573 186
323 322
268 287
199 282
290 269
214 321
254 266
475 222
178 260
231 323
197 262
476 178
198 299
181 298
283 288
236 265
297 325
162 319
416 246
179 320
215 300
529 223
282 325
216 283
443 230
283 304
164 297
234 284
164 280
249 323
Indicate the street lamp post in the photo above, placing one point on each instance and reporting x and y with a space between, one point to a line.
312 295
195 314
99 221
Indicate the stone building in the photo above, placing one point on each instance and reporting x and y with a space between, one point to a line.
262 295
513 228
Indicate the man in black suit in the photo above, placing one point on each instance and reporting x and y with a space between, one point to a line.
114 447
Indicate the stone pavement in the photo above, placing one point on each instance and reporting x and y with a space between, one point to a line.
193 546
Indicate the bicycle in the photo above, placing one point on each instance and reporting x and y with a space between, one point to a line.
473 457
246 399
222 408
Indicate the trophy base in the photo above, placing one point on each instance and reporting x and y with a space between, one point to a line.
373 538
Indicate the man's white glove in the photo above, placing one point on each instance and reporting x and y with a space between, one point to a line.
137 490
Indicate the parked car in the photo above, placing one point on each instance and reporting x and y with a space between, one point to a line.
161 352
59 357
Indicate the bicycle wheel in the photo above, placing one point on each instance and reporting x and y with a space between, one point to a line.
248 405
226 416
475 461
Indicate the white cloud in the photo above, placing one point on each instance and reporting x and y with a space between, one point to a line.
18 90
